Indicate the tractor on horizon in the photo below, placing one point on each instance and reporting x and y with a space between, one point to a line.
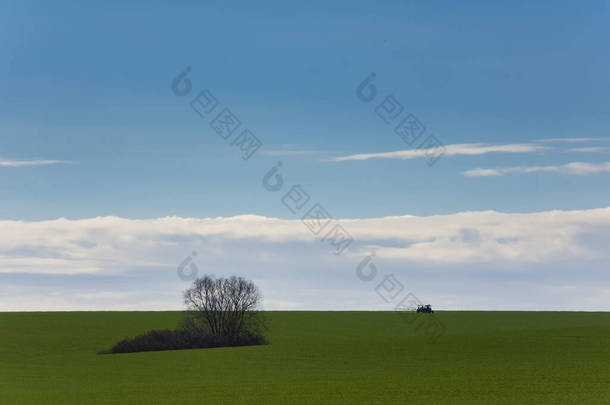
425 309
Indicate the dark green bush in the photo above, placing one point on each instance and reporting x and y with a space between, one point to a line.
156 340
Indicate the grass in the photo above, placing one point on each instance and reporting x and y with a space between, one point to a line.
315 357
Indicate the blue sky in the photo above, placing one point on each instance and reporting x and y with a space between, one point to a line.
89 126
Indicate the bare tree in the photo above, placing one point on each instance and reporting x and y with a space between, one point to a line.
223 306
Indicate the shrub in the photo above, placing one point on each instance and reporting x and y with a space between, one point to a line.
156 340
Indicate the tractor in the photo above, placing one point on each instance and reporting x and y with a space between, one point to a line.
425 309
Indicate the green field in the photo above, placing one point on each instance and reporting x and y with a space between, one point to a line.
315 357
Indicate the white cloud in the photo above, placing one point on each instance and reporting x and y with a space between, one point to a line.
450 150
20 163
109 244
293 152
576 168
592 149
293 267
570 140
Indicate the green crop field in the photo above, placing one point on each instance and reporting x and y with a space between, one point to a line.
313 358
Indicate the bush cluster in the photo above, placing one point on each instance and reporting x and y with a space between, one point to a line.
156 340
221 312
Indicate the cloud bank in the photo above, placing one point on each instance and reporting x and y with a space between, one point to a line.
456 259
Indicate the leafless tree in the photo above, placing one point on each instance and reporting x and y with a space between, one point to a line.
223 306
